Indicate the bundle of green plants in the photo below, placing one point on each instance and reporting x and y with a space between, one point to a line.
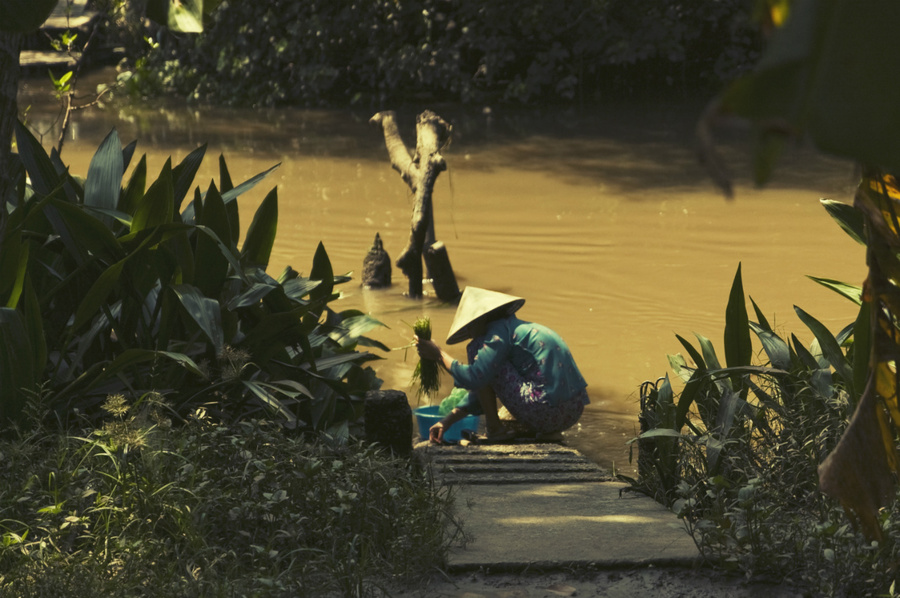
427 374
113 284
140 507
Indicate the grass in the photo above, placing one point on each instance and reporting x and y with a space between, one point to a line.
144 508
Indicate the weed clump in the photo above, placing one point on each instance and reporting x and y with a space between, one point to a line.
212 509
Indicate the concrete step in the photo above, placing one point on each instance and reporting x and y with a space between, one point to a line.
570 526
541 506
520 463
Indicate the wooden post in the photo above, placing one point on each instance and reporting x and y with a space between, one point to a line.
438 265
419 172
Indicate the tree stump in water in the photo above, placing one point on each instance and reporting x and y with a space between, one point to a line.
437 262
377 266
419 172
389 420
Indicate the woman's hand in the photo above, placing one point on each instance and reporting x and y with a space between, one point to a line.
436 432
428 350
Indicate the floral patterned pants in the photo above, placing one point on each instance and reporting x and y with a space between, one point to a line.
524 398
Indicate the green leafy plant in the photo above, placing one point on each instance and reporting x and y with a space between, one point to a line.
114 286
737 452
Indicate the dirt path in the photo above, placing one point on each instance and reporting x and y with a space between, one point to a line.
628 583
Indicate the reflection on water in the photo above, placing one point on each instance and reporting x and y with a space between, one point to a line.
603 221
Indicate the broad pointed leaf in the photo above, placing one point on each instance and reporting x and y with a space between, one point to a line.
17 373
37 163
156 207
862 350
851 292
205 312
183 175
695 355
104 178
322 270
270 401
137 184
210 266
831 349
261 235
738 349
97 295
848 217
132 357
777 350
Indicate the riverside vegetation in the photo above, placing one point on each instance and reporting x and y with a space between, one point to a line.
533 52
177 422
736 453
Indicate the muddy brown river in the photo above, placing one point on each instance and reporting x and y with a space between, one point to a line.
601 218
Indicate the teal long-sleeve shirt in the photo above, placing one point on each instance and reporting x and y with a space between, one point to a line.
527 346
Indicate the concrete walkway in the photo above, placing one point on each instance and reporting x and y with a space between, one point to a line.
532 507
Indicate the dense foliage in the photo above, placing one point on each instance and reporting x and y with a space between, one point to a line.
138 508
315 52
109 289
736 454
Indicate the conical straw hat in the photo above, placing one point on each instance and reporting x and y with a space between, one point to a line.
476 303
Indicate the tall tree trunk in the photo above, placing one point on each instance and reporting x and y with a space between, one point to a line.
10 47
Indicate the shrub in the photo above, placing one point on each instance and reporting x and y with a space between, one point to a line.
737 453
139 509
112 289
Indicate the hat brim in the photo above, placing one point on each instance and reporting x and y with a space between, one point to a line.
477 306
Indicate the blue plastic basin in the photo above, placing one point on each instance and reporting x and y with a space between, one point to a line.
428 416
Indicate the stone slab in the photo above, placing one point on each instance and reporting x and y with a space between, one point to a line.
545 506
572 525
516 463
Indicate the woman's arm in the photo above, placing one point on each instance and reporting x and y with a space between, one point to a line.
480 372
